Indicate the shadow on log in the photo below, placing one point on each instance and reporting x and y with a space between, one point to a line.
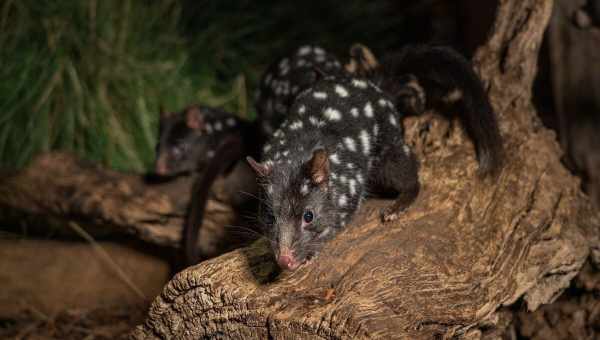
464 249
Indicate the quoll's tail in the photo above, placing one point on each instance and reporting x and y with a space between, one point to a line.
479 119
424 77
229 151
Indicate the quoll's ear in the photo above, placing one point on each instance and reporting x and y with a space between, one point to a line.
261 170
362 60
194 119
318 167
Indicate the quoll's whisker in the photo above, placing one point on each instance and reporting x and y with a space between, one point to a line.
251 195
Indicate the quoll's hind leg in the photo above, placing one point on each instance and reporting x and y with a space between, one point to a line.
398 172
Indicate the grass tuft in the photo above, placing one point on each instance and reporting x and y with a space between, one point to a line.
89 76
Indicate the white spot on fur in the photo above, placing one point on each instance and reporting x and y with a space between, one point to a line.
301 109
332 114
319 50
266 148
382 102
342 200
360 178
230 122
343 179
277 155
352 185
393 120
282 142
286 153
365 141
359 83
376 130
368 110
284 70
304 189
334 158
350 144
210 154
354 112
283 63
208 128
341 91
315 121
301 63
350 165
270 189
304 50
296 125
320 95
406 149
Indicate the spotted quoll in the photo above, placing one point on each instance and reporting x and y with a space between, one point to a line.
342 138
205 140
287 77
188 139
435 77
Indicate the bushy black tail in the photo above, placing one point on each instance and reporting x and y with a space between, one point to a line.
423 77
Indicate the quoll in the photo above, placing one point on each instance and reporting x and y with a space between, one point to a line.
342 137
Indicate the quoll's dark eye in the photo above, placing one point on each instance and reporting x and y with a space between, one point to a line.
308 216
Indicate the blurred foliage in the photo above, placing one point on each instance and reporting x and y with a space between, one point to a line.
89 76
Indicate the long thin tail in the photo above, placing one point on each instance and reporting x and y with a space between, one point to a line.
228 152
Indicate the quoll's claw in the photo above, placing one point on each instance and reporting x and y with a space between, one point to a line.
391 213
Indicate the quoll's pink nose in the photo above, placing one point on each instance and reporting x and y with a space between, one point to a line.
161 167
287 261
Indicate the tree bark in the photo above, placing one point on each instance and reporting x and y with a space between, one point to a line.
463 250
59 188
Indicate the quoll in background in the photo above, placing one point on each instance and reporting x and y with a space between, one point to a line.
89 236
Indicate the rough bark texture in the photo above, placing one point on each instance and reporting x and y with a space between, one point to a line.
575 315
463 250
62 188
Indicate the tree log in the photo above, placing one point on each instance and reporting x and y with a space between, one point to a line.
60 187
465 248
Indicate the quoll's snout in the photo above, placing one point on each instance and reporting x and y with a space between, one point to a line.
286 260
161 167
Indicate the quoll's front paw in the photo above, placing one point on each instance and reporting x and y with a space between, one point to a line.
392 212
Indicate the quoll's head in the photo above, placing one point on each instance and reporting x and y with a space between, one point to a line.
185 142
297 212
